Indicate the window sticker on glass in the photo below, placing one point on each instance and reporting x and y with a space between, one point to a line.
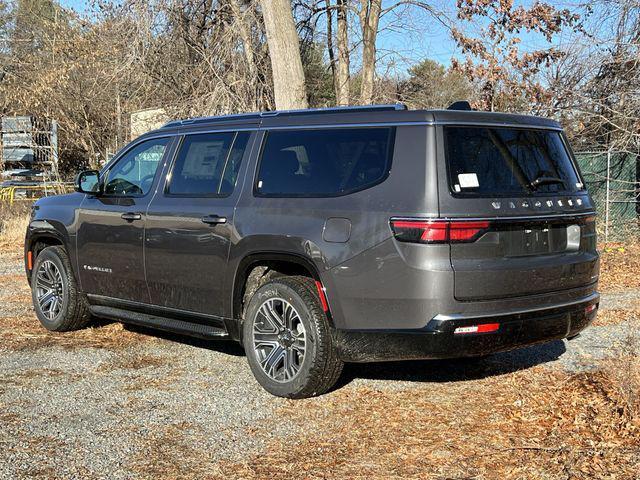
468 180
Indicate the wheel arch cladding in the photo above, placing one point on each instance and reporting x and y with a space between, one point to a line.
254 269
37 242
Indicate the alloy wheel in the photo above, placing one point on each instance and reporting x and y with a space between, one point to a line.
279 339
49 289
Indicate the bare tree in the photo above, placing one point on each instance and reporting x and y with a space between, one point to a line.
343 76
505 73
284 50
369 16
340 66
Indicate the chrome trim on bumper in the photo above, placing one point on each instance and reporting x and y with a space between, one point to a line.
595 296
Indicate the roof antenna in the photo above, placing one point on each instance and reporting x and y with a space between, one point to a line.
460 105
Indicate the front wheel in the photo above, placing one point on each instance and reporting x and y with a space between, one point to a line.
288 340
59 305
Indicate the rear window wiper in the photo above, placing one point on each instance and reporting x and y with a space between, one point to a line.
544 180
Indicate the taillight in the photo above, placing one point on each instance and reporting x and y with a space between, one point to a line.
466 231
437 231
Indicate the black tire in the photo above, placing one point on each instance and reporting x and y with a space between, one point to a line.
73 312
320 366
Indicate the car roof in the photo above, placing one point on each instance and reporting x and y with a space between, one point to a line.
371 115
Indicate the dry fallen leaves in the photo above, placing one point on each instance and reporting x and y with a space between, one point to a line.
619 266
536 423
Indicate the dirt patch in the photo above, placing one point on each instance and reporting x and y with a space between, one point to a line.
532 424
167 453
133 360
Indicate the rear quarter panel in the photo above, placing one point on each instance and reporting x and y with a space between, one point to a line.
295 225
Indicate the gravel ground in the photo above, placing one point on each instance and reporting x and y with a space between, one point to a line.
163 404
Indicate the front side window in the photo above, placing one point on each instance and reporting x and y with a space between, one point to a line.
324 162
508 162
133 174
207 164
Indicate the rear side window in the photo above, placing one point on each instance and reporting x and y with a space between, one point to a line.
207 164
508 162
328 162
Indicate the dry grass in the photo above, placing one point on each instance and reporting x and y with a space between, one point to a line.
531 424
619 266
13 225
25 332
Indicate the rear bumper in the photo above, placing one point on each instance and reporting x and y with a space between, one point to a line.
438 340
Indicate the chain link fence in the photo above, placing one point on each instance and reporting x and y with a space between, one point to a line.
613 180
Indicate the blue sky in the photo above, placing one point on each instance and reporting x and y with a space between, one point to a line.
419 36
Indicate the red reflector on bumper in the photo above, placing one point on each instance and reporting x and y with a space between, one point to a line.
482 328
323 297
590 308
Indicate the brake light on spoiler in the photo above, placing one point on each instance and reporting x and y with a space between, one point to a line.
437 231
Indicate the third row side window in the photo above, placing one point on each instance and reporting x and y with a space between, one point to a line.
324 162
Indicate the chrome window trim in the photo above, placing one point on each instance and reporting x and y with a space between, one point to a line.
500 217
293 126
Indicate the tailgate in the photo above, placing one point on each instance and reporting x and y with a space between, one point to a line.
525 257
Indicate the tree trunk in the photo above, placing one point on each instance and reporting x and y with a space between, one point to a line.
342 72
369 18
284 50
240 21
332 57
243 30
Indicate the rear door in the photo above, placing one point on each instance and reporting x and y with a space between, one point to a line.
535 219
190 223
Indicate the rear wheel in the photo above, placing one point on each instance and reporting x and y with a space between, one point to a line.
58 304
288 340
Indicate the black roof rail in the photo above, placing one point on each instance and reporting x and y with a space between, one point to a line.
349 109
215 118
276 113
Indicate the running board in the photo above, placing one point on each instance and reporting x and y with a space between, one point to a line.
161 323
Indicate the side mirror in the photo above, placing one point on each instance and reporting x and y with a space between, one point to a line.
88 181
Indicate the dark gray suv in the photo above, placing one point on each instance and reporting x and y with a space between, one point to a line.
319 237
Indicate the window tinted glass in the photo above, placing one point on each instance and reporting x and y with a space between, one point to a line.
324 162
230 176
508 161
200 166
133 174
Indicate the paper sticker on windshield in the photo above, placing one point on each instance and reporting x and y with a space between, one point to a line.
468 180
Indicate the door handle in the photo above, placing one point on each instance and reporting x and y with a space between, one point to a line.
130 216
214 219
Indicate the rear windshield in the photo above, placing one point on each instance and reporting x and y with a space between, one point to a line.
508 162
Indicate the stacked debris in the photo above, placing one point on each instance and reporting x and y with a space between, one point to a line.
28 143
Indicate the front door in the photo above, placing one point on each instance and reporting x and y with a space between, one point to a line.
190 224
111 225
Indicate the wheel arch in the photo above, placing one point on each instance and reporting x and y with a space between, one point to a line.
40 235
283 263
